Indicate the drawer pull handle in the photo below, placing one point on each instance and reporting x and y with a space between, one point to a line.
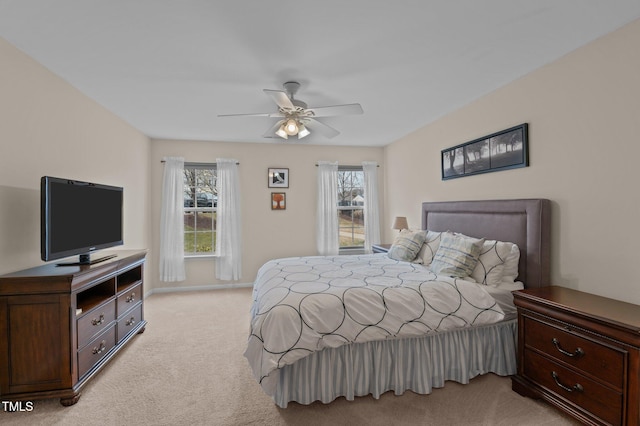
577 354
131 321
98 321
576 388
98 350
131 298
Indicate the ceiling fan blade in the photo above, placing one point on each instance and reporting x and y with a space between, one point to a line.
324 129
347 109
280 98
262 114
271 133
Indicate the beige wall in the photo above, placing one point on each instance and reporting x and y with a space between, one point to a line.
266 233
584 128
49 128
582 110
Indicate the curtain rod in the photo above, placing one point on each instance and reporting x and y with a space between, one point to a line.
237 163
377 165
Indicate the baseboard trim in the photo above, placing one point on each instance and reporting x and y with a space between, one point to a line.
197 288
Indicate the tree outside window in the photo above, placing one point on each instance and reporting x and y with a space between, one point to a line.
200 205
351 207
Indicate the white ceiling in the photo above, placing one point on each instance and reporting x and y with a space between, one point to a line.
169 67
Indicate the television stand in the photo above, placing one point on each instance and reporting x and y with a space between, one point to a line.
61 325
85 259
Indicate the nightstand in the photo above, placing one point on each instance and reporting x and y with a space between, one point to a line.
380 248
579 352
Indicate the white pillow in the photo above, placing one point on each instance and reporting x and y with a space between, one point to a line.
429 248
457 255
510 272
491 263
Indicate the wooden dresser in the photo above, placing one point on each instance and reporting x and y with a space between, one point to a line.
579 352
59 325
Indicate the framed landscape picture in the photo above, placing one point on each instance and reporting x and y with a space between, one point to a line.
278 178
507 149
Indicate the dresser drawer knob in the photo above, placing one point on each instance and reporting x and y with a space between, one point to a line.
131 298
131 321
98 321
576 388
102 347
576 354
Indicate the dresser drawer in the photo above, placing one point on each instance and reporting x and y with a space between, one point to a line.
96 350
602 361
127 323
129 298
601 401
95 321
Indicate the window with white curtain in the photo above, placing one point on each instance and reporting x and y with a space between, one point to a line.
200 205
351 207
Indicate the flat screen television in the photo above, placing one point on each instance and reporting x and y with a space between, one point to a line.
78 218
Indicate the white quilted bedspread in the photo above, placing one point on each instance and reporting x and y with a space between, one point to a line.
305 304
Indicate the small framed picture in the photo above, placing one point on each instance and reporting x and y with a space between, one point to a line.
278 201
278 178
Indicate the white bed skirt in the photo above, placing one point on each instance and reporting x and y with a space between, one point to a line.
417 364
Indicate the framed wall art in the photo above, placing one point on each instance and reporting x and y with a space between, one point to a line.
278 201
278 178
507 149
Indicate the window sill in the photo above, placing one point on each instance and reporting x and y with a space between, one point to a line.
200 256
359 250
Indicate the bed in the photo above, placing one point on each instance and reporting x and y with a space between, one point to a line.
415 340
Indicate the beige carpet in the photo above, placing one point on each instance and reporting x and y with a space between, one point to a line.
187 368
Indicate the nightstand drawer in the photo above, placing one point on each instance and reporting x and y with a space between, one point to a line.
602 401
380 248
604 362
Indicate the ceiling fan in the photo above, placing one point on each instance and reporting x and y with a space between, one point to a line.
295 118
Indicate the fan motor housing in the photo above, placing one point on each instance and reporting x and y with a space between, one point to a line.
291 87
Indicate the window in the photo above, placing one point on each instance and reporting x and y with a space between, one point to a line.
351 207
200 204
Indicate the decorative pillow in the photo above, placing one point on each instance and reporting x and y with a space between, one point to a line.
510 272
407 245
456 255
430 247
491 263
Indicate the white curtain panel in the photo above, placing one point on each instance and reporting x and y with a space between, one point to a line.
172 221
327 225
228 238
371 206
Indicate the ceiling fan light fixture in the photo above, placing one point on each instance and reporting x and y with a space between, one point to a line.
291 127
282 133
293 115
303 131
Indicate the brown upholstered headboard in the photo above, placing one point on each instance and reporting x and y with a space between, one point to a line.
525 222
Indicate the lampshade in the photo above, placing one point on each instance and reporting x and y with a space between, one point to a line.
400 223
282 133
303 131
